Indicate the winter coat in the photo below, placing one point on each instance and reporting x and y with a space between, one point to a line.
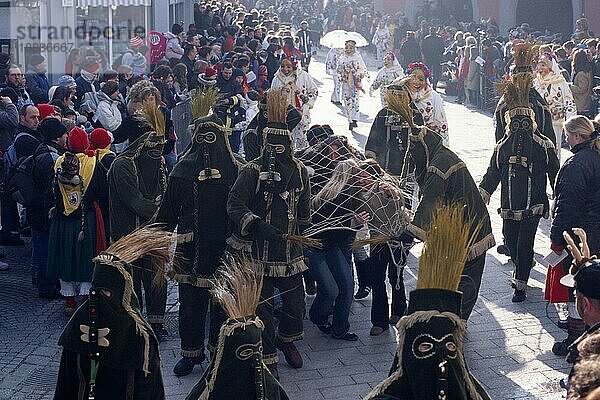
577 194
582 91
85 88
37 85
26 144
107 113
9 120
174 49
43 175
410 51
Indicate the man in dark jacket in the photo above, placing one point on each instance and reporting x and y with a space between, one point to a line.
433 48
410 51
189 58
16 81
87 86
28 137
305 44
54 144
37 81
9 117
9 121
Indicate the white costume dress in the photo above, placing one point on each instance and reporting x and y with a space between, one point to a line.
381 40
431 106
556 91
302 94
331 69
384 77
351 69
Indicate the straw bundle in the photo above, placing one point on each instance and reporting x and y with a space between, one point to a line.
153 116
277 105
237 287
447 244
149 241
305 241
373 241
399 103
203 100
516 90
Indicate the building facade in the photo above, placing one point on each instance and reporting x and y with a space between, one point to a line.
558 15
54 28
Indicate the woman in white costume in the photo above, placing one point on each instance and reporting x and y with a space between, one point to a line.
428 101
302 94
552 86
351 69
386 75
331 70
381 39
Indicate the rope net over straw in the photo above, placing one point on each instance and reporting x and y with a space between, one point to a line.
344 184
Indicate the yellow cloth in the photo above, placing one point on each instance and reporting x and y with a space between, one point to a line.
72 195
100 153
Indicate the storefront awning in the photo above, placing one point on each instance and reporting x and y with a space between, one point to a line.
106 3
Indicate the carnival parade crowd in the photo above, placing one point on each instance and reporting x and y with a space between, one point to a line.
93 158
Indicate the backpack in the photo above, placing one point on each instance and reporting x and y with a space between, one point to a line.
20 185
10 161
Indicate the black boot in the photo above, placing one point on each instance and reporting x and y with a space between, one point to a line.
273 370
576 329
185 366
519 296
159 331
362 275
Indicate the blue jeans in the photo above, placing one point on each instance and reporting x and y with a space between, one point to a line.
170 160
333 273
39 260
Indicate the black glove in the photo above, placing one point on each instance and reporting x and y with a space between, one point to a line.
407 239
263 231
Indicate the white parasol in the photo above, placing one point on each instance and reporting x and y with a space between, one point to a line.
338 38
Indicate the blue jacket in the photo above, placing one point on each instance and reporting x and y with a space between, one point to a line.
37 85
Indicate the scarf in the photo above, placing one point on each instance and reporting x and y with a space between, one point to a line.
88 76
289 83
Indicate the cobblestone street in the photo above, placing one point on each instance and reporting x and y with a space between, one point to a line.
508 346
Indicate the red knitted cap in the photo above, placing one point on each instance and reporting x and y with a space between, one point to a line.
78 140
99 139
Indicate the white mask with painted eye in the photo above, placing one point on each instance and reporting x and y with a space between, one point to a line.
425 345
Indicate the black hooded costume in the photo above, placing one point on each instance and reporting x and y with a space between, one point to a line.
195 202
523 160
137 181
429 362
253 137
388 139
271 198
444 178
108 346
